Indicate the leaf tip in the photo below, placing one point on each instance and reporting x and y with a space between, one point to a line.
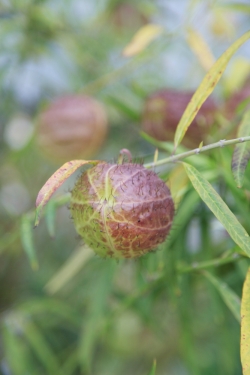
37 219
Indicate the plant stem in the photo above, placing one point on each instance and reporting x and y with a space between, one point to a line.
196 151
209 263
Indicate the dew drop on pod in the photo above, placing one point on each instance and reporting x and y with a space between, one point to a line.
121 210
163 110
71 127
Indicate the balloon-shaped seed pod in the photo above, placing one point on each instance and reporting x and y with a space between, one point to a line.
163 111
72 127
121 210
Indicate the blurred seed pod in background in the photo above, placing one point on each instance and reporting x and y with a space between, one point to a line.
126 16
162 113
71 127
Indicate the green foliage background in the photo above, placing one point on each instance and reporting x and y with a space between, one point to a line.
78 314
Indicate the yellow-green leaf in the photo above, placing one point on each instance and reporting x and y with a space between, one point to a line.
245 326
141 39
241 153
200 49
240 7
72 266
219 208
55 181
153 369
206 87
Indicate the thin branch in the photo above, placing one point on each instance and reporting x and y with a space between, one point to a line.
209 263
196 151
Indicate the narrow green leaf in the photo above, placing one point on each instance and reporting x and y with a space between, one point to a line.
219 208
70 364
241 153
206 87
50 216
14 347
55 181
229 297
185 211
124 107
27 239
50 212
153 369
245 326
167 146
94 321
50 307
42 350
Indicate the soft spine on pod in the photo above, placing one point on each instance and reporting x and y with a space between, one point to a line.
121 210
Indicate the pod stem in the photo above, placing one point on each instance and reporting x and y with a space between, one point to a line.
122 153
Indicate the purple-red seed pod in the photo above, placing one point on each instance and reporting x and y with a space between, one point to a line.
72 127
121 210
127 16
162 113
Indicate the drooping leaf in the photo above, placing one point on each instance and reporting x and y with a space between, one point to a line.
145 35
153 369
206 87
50 212
245 326
55 181
228 295
219 208
241 153
50 215
27 239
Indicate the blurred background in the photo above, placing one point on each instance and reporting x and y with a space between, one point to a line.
76 84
